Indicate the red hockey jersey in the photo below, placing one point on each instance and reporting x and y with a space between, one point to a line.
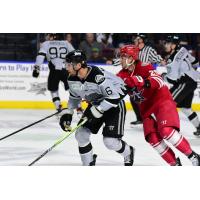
156 93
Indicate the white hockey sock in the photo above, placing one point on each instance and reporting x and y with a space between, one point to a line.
192 116
86 154
125 149
56 99
117 145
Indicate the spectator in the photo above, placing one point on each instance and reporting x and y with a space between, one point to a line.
68 37
96 57
90 43
105 39
108 49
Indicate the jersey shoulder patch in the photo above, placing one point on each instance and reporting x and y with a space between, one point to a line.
96 75
99 78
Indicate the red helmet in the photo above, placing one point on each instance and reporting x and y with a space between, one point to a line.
130 50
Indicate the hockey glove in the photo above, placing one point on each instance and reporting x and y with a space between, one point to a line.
36 71
135 81
92 114
116 62
66 119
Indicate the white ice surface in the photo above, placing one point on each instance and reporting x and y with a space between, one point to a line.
23 147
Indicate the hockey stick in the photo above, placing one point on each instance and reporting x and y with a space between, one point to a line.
59 141
28 126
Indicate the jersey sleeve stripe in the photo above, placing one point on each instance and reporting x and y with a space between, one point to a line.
42 54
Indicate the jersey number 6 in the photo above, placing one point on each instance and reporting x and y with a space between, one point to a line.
108 90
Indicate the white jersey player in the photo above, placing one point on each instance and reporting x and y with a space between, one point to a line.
104 93
182 73
55 51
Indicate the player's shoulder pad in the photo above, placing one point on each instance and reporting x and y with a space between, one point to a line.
45 43
96 75
181 54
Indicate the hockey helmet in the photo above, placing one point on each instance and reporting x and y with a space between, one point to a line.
143 36
173 39
77 56
130 50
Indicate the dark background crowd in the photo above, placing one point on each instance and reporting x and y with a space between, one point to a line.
99 47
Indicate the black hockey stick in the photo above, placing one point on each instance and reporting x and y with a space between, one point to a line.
59 141
28 126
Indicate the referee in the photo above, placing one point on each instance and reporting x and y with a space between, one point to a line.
147 54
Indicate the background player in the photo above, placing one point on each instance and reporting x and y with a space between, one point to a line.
104 92
54 50
158 110
183 75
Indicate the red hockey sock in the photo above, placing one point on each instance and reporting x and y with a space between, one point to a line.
169 156
161 147
177 140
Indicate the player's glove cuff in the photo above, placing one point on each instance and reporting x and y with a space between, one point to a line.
96 112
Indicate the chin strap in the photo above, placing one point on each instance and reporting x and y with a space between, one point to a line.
129 64
75 69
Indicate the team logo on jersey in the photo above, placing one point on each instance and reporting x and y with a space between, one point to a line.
99 78
137 96
111 128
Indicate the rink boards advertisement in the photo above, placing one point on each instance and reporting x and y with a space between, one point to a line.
20 90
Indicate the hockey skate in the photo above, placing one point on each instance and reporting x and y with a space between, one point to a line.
197 132
59 109
194 158
137 122
178 162
93 163
129 160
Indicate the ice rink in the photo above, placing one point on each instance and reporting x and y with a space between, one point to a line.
23 147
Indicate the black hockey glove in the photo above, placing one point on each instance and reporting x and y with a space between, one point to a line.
116 62
66 119
36 71
92 114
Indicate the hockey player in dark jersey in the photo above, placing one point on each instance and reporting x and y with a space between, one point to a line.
182 74
55 50
104 93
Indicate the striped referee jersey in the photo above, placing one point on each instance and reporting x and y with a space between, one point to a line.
149 55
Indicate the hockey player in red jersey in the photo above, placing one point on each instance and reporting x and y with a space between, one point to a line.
158 110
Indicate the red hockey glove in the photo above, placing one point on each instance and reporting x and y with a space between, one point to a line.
135 81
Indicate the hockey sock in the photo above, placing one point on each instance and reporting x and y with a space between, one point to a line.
155 140
117 145
192 116
165 152
56 99
177 140
124 150
86 154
